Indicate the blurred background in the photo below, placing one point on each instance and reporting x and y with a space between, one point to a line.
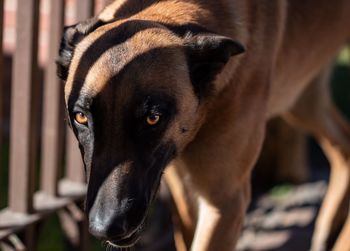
41 174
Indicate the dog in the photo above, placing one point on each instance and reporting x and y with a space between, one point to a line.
185 88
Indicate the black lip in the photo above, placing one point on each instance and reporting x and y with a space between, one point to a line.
129 240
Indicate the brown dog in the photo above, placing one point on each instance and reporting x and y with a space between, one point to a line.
155 84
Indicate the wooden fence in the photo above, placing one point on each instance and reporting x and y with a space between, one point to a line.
45 170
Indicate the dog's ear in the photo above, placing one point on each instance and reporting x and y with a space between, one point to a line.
72 35
207 56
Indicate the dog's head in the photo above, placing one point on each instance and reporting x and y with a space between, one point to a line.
135 92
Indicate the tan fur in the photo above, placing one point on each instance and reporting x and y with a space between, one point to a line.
287 45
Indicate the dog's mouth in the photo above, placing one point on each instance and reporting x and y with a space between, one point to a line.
130 239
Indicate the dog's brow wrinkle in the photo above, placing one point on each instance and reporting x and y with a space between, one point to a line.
90 51
99 75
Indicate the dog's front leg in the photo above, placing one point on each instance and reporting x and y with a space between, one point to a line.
219 224
210 222
217 167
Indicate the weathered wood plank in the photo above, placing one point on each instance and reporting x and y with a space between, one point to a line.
85 9
23 100
53 114
74 164
2 88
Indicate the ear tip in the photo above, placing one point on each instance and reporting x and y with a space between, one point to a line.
72 35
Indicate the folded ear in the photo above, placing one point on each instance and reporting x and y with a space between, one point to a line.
72 35
207 56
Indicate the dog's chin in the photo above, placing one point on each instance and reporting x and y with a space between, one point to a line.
129 240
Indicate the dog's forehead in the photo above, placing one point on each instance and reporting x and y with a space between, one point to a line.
107 51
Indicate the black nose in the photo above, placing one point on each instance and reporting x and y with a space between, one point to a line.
107 224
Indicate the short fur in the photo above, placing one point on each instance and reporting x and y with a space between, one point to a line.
183 60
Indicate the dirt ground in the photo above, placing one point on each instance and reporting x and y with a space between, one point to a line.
283 218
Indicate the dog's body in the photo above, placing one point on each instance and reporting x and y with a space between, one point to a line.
212 139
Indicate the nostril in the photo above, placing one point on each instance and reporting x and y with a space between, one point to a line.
97 230
109 219
107 228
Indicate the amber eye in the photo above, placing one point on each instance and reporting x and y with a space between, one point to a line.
81 118
153 119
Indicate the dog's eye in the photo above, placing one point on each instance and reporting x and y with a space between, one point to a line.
152 119
81 118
